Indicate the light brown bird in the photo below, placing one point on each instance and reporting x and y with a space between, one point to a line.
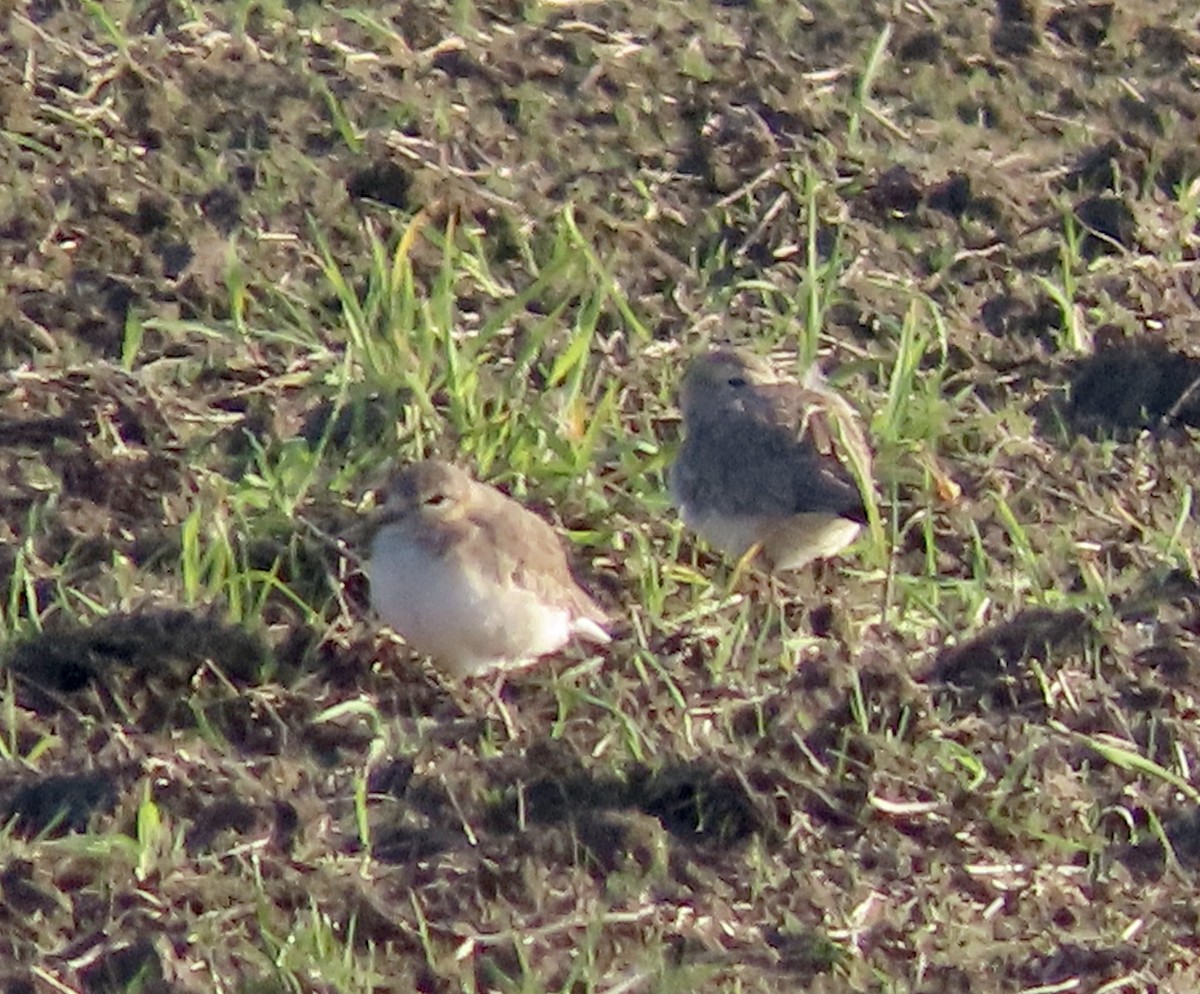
468 576
768 462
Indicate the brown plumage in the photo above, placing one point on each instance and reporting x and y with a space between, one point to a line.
768 461
468 576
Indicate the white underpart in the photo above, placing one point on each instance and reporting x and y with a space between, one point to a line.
788 542
467 624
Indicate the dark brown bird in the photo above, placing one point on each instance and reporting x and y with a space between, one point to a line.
768 462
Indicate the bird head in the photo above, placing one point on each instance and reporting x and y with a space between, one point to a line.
429 491
720 377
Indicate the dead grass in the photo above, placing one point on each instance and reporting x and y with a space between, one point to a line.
256 256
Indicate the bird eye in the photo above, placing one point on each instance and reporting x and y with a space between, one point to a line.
436 500
737 381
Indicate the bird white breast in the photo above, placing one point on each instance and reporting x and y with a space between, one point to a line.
467 623
788 543
729 533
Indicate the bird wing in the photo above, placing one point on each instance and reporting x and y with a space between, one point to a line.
781 449
827 422
518 545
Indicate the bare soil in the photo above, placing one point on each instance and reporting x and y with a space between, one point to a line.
912 809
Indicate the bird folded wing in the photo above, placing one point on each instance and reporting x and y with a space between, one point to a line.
527 551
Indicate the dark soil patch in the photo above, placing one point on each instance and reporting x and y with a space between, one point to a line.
912 774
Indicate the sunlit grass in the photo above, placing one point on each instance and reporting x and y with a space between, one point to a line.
527 313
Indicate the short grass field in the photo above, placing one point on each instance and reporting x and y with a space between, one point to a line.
255 256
